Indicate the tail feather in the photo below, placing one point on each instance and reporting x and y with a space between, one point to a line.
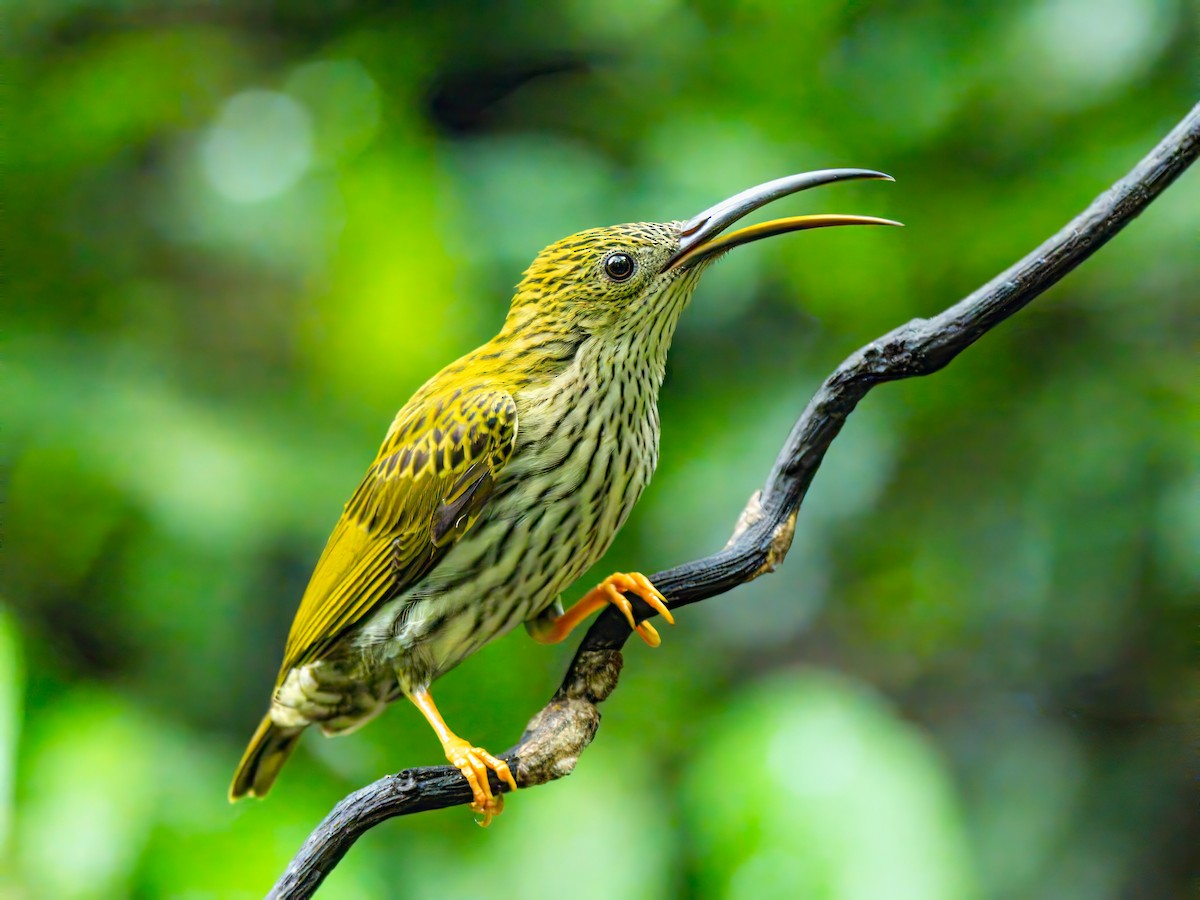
269 749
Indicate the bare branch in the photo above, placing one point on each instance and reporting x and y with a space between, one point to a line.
557 735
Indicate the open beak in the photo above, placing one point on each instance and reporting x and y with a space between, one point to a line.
701 236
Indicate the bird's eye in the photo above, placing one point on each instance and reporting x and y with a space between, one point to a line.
618 266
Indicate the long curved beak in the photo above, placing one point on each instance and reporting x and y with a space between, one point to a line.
701 236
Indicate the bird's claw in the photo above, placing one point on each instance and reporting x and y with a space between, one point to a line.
474 763
615 586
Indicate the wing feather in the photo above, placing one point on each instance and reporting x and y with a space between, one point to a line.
429 483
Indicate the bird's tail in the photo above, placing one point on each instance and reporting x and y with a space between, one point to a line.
269 749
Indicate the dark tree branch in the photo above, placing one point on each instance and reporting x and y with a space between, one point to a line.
557 735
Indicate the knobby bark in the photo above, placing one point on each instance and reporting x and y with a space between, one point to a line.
559 733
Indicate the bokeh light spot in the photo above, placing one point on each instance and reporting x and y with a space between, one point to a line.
1085 48
260 145
344 101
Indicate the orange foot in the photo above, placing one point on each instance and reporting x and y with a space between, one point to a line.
612 590
474 763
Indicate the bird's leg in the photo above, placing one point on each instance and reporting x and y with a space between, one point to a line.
472 761
611 590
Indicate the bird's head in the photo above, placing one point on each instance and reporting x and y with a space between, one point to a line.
627 279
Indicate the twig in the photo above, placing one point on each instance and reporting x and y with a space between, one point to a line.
557 735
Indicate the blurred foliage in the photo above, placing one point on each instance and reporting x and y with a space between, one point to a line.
238 235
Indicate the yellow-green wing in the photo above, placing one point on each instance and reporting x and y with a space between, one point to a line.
430 481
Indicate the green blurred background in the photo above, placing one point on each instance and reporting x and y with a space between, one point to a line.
239 235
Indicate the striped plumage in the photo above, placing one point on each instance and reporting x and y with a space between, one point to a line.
499 483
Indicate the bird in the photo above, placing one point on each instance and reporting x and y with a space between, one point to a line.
501 481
